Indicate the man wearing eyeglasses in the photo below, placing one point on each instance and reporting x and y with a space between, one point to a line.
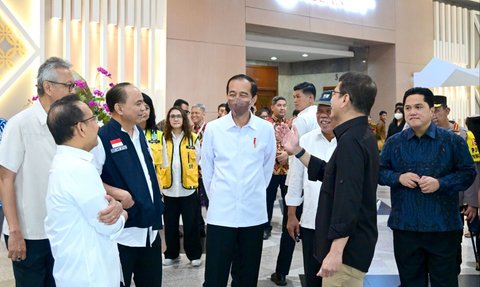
26 153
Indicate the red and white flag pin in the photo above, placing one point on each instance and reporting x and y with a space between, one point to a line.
116 143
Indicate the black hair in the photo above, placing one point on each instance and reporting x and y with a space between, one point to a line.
180 102
277 98
264 109
399 104
361 89
150 124
62 117
222 105
295 113
253 84
425 92
116 94
306 88
382 113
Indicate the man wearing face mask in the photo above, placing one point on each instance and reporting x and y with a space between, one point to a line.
238 155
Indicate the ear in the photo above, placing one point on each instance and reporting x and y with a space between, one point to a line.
253 100
47 87
118 108
345 100
78 129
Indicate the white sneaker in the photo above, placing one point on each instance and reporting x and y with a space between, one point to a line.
169 262
196 262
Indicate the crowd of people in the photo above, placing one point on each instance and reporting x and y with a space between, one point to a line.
84 205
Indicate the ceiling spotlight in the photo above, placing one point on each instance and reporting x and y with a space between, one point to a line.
304 55
364 61
273 58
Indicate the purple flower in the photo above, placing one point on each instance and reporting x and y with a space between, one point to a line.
105 107
92 103
80 84
109 75
102 70
34 98
111 85
98 93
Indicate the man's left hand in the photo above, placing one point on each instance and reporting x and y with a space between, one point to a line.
470 212
331 264
112 212
428 184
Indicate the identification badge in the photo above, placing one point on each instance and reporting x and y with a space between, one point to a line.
117 145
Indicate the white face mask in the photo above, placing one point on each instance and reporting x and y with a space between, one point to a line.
398 116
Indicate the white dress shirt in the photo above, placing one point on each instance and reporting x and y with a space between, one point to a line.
177 190
27 149
305 122
237 164
316 144
130 236
83 247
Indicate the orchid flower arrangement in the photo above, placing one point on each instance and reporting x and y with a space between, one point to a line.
96 99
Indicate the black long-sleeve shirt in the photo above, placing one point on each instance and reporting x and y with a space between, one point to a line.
347 203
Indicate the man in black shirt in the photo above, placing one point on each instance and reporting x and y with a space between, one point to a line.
346 222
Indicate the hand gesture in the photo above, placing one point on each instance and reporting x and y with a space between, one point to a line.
428 184
409 179
112 212
282 157
288 137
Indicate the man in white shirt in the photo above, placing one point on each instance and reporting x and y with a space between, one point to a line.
303 99
320 142
26 154
238 155
124 160
83 247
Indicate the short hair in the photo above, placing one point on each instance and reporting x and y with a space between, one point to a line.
200 106
425 92
277 98
150 124
253 84
398 105
47 72
222 105
362 90
295 113
62 117
306 88
180 102
382 113
264 109
116 94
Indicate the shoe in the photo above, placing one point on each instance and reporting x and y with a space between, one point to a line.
267 234
196 262
169 262
278 279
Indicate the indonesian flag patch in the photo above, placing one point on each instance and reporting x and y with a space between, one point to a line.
116 143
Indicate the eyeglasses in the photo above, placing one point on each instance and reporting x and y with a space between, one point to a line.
340 93
85 120
70 86
175 117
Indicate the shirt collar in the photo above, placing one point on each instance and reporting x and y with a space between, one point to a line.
252 123
40 112
306 110
342 128
75 152
118 125
179 137
431 132
322 136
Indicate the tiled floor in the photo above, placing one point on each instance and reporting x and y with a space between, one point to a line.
383 272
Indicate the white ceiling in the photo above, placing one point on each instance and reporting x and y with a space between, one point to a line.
261 47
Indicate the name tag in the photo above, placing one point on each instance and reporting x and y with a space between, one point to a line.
190 147
117 149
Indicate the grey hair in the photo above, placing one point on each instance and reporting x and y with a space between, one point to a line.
200 106
47 72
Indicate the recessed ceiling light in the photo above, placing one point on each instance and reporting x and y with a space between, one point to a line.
273 58
304 55
364 61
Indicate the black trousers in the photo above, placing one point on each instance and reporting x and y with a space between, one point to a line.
239 248
37 269
275 182
188 207
310 263
287 244
145 263
420 255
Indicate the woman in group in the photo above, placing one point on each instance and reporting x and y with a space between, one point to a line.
179 181
398 123
152 133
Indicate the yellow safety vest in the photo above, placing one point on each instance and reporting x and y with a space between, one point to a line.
189 166
472 146
154 138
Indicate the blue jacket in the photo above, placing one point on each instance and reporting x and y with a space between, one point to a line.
122 169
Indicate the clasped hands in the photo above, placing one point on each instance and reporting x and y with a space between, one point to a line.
427 184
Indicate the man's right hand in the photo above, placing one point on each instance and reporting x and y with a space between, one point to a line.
409 179
17 249
125 198
289 138
293 226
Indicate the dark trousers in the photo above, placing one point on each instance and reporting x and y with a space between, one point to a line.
145 263
310 263
275 182
240 248
287 244
36 270
188 207
420 255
